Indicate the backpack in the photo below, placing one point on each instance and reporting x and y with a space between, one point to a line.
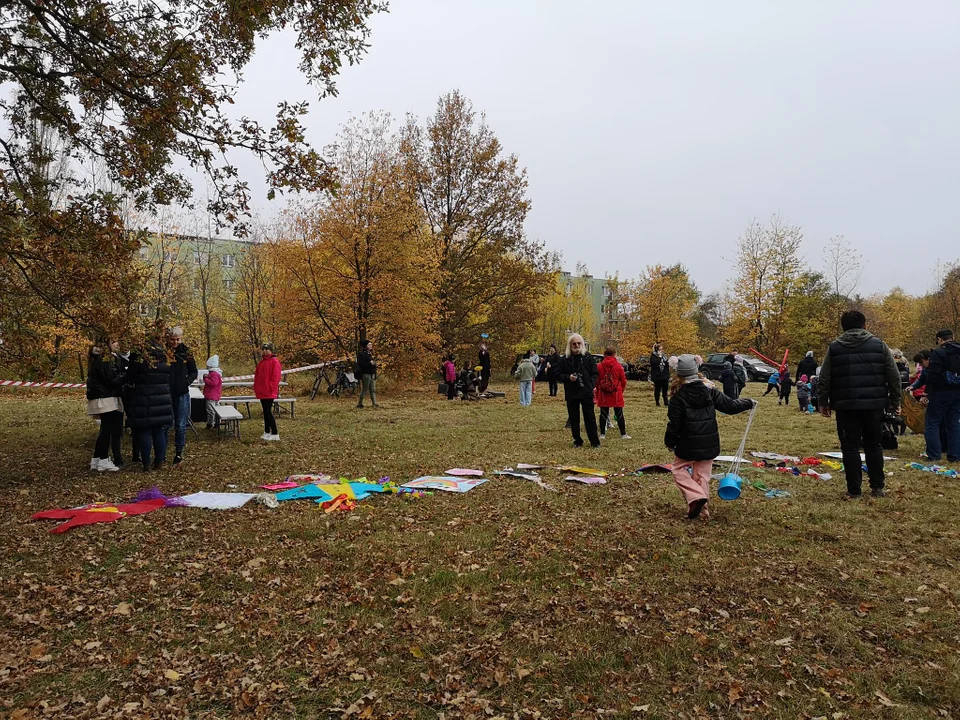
608 382
951 368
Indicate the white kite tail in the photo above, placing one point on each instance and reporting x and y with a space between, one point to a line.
738 458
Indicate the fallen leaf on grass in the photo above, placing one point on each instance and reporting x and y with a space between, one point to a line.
171 675
783 641
416 652
922 610
122 609
735 693
103 702
884 700
257 563
640 708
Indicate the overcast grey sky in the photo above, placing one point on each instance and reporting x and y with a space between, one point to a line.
654 131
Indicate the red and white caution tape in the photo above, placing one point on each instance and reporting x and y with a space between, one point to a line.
27 383
63 385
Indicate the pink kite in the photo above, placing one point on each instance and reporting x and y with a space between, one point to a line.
465 472
285 485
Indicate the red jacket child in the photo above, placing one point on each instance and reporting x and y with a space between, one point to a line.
266 378
610 368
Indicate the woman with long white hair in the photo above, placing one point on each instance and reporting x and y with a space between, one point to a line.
578 371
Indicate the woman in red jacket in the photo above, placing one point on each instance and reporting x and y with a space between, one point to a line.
608 392
266 388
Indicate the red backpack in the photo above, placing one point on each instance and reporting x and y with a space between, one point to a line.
609 383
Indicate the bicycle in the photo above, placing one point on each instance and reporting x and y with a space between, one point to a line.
344 383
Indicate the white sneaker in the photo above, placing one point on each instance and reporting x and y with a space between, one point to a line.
274 438
266 436
625 437
106 466
603 437
94 462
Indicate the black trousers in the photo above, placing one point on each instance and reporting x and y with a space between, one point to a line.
771 388
484 380
660 388
574 406
111 431
451 389
856 429
269 421
785 396
605 420
554 385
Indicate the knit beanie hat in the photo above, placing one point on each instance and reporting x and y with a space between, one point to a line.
687 365
809 353
214 362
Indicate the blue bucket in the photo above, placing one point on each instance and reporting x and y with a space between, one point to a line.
729 488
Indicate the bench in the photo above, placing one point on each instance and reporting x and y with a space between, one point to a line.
278 403
228 421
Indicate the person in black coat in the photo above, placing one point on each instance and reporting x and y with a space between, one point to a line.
807 366
151 410
367 372
483 360
553 363
578 370
786 385
693 434
183 371
728 379
105 378
858 381
659 373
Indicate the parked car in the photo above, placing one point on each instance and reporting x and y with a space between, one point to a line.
640 370
757 369
623 363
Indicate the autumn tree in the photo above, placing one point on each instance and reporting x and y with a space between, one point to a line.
474 198
566 309
141 88
357 258
661 306
769 273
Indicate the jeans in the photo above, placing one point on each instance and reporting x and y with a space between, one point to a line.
111 430
605 420
368 384
857 428
574 406
660 388
181 413
943 414
269 421
526 392
152 437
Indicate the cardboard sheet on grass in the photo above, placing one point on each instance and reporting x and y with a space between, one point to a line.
914 414
444 483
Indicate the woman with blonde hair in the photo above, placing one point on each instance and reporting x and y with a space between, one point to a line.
578 371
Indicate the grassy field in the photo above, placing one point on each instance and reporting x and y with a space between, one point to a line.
507 602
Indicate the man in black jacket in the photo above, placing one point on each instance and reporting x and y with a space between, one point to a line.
807 366
483 359
367 370
859 379
659 373
578 370
943 393
183 371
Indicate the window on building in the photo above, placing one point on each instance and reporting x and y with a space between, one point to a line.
143 310
169 256
589 289
569 288
606 291
200 258
228 261
144 251
228 284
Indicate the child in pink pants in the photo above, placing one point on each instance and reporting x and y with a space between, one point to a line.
692 431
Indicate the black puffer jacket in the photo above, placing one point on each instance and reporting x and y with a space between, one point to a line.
104 376
859 373
183 371
944 366
692 431
584 366
151 405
